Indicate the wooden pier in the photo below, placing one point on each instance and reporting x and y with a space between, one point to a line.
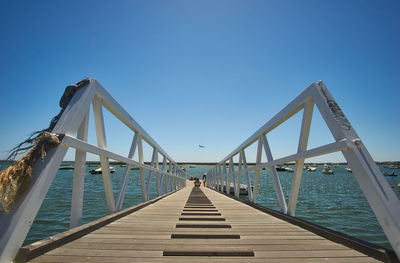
191 225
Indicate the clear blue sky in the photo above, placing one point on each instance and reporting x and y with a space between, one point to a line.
203 72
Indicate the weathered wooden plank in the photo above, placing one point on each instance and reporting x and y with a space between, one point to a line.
104 252
169 227
281 241
308 253
185 246
202 231
68 259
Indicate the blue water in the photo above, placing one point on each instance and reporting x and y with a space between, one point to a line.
334 201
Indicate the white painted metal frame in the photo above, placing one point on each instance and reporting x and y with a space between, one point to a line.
378 192
15 225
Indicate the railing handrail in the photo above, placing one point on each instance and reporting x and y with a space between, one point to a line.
279 118
118 111
376 189
74 121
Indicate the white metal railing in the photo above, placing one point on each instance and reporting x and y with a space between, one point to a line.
15 225
378 192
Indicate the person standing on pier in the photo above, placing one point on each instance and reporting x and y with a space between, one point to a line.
204 179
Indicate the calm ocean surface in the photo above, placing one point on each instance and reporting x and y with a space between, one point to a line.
334 201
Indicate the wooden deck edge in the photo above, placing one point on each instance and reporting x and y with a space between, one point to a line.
362 246
45 245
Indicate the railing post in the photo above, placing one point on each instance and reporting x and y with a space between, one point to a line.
212 177
158 177
141 170
78 184
173 181
170 167
166 177
219 178
228 178
127 170
256 177
237 193
248 180
232 171
176 177
153 158
298 170
163 176
216 178
101 141
225 178
173 177
275 178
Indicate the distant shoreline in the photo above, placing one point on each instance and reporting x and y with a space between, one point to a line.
397 163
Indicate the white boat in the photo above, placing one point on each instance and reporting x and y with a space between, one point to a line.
66 167
242 189
390 174
99 171
327 170
288 169
348 169
280 168
311 169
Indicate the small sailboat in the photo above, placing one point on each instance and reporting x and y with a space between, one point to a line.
99 171
390 174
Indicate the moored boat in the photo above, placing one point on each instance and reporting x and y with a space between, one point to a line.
66 167
311 169
390 174
327 170
288 169
99 171
280 168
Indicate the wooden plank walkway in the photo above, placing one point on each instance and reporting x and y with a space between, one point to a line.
189 226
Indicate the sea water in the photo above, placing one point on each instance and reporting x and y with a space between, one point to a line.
334 201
